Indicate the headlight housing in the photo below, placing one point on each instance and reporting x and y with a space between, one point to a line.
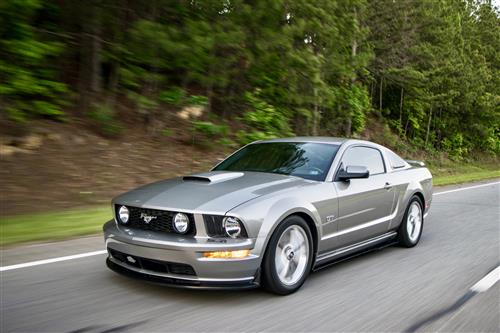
232 226
219 226
180 223
123 214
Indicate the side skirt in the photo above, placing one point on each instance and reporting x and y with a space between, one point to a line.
335 256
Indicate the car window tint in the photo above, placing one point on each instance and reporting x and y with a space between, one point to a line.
370 158
302 159
395 161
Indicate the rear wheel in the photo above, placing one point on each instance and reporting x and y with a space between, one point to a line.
411 227
288 257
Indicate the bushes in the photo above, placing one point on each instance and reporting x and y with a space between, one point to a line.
456 147
265 121
210 129
174 96
213 134
28 87
105 118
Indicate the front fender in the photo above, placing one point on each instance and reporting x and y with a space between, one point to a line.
261 217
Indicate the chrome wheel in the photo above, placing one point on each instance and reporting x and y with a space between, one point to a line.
414 222
292 255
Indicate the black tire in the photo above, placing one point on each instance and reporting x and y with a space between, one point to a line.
404 238
269 278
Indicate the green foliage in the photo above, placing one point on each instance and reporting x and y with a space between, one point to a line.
197 100
210 129
27 73
105 118
167 132
455 147
226 142
438 83
429 69
177 97
174 96
265 121
245 137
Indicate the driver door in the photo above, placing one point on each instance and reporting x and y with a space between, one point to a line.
364 204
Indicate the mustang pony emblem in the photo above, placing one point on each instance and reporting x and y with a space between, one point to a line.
147 218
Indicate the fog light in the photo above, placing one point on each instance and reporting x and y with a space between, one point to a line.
239 254
181 223
123 214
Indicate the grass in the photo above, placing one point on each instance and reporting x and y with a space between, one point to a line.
448 173
87 221
464 178
52 225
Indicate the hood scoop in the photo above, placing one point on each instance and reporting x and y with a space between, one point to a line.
212 177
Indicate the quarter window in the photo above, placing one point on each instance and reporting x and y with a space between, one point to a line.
370 158
395 161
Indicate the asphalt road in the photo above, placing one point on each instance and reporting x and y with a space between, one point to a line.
426 288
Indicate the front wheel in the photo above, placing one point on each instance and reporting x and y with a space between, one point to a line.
288 257
411 227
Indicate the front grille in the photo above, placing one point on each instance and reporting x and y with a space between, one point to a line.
214 226
152 264
162 222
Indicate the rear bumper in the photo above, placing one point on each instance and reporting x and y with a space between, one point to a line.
171 249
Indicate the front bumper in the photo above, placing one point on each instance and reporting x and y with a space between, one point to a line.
169 249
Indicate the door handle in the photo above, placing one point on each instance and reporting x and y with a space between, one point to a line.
388 186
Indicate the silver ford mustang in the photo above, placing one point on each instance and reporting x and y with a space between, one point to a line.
269 214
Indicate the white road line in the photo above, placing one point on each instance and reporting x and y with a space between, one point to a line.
487 282
50 261
465 188
95 253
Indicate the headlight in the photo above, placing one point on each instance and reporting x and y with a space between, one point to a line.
123 214
232 226
181 223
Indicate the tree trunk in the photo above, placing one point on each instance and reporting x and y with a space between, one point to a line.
348 127
406 125
90 62
380 93
315 114
95 57
428 127
210 86
210 95
401 108
113 85
372 91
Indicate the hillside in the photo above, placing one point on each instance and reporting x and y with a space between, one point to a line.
68 165
57 166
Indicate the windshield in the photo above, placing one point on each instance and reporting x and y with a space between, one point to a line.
302 159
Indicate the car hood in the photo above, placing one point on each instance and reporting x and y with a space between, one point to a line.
210 192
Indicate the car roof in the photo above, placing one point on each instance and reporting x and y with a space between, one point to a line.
318 139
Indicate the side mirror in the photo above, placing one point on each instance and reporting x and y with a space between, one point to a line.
352 172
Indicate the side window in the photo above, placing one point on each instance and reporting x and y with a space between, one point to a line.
370 158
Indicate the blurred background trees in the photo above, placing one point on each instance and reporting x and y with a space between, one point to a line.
428 69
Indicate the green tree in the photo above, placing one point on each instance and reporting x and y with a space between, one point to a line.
28 85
